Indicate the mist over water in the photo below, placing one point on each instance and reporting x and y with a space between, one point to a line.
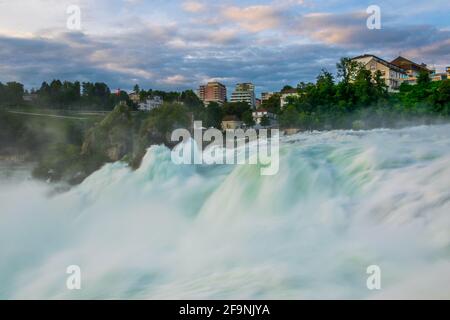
342 201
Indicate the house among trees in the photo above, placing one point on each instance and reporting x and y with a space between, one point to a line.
411 68
391 73
231 122
135 97
285 94
264 118
151 103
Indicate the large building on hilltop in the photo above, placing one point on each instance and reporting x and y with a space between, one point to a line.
213 92
392 74
244 92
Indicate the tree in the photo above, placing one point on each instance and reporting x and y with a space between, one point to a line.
286 88
325 89
97 95
116 98
11 94
273 104
347 69
190 99
364 87
290 117
247 118
136 89
236 108
213 115
381 87
441 98
265 121
423 79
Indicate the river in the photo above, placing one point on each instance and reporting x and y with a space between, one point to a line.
342 201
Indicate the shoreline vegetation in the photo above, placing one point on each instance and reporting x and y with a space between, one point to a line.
59 131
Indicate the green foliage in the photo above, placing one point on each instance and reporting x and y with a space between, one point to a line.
290 117
441 98
423 79
273 104
286 88
247 118
213 115
190 99
11 94
158 126
361 100
347 70
167 118
73 95
34 135
236 109
119 97
72 153
265 121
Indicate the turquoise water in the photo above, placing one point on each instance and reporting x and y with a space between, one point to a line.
342 201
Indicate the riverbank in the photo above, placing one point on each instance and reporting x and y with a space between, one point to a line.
69 149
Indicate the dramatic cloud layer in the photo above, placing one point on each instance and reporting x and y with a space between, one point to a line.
180 44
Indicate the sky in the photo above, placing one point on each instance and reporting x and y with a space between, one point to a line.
180 44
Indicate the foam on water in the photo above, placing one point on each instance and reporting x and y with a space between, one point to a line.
341 201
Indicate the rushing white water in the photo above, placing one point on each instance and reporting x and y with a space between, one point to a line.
342 201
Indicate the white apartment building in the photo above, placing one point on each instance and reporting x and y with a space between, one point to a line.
260 114
151 103
244 92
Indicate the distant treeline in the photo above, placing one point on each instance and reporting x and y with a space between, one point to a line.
353 98
86 95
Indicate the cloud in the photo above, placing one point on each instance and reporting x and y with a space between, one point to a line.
255 18
175 79
194 6
437 54
271 43
133 1
149 58
348 30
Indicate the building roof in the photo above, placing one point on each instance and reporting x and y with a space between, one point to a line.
404 63
382 61
289 91
212 83
230 118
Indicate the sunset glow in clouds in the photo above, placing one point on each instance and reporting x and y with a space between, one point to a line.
179 44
